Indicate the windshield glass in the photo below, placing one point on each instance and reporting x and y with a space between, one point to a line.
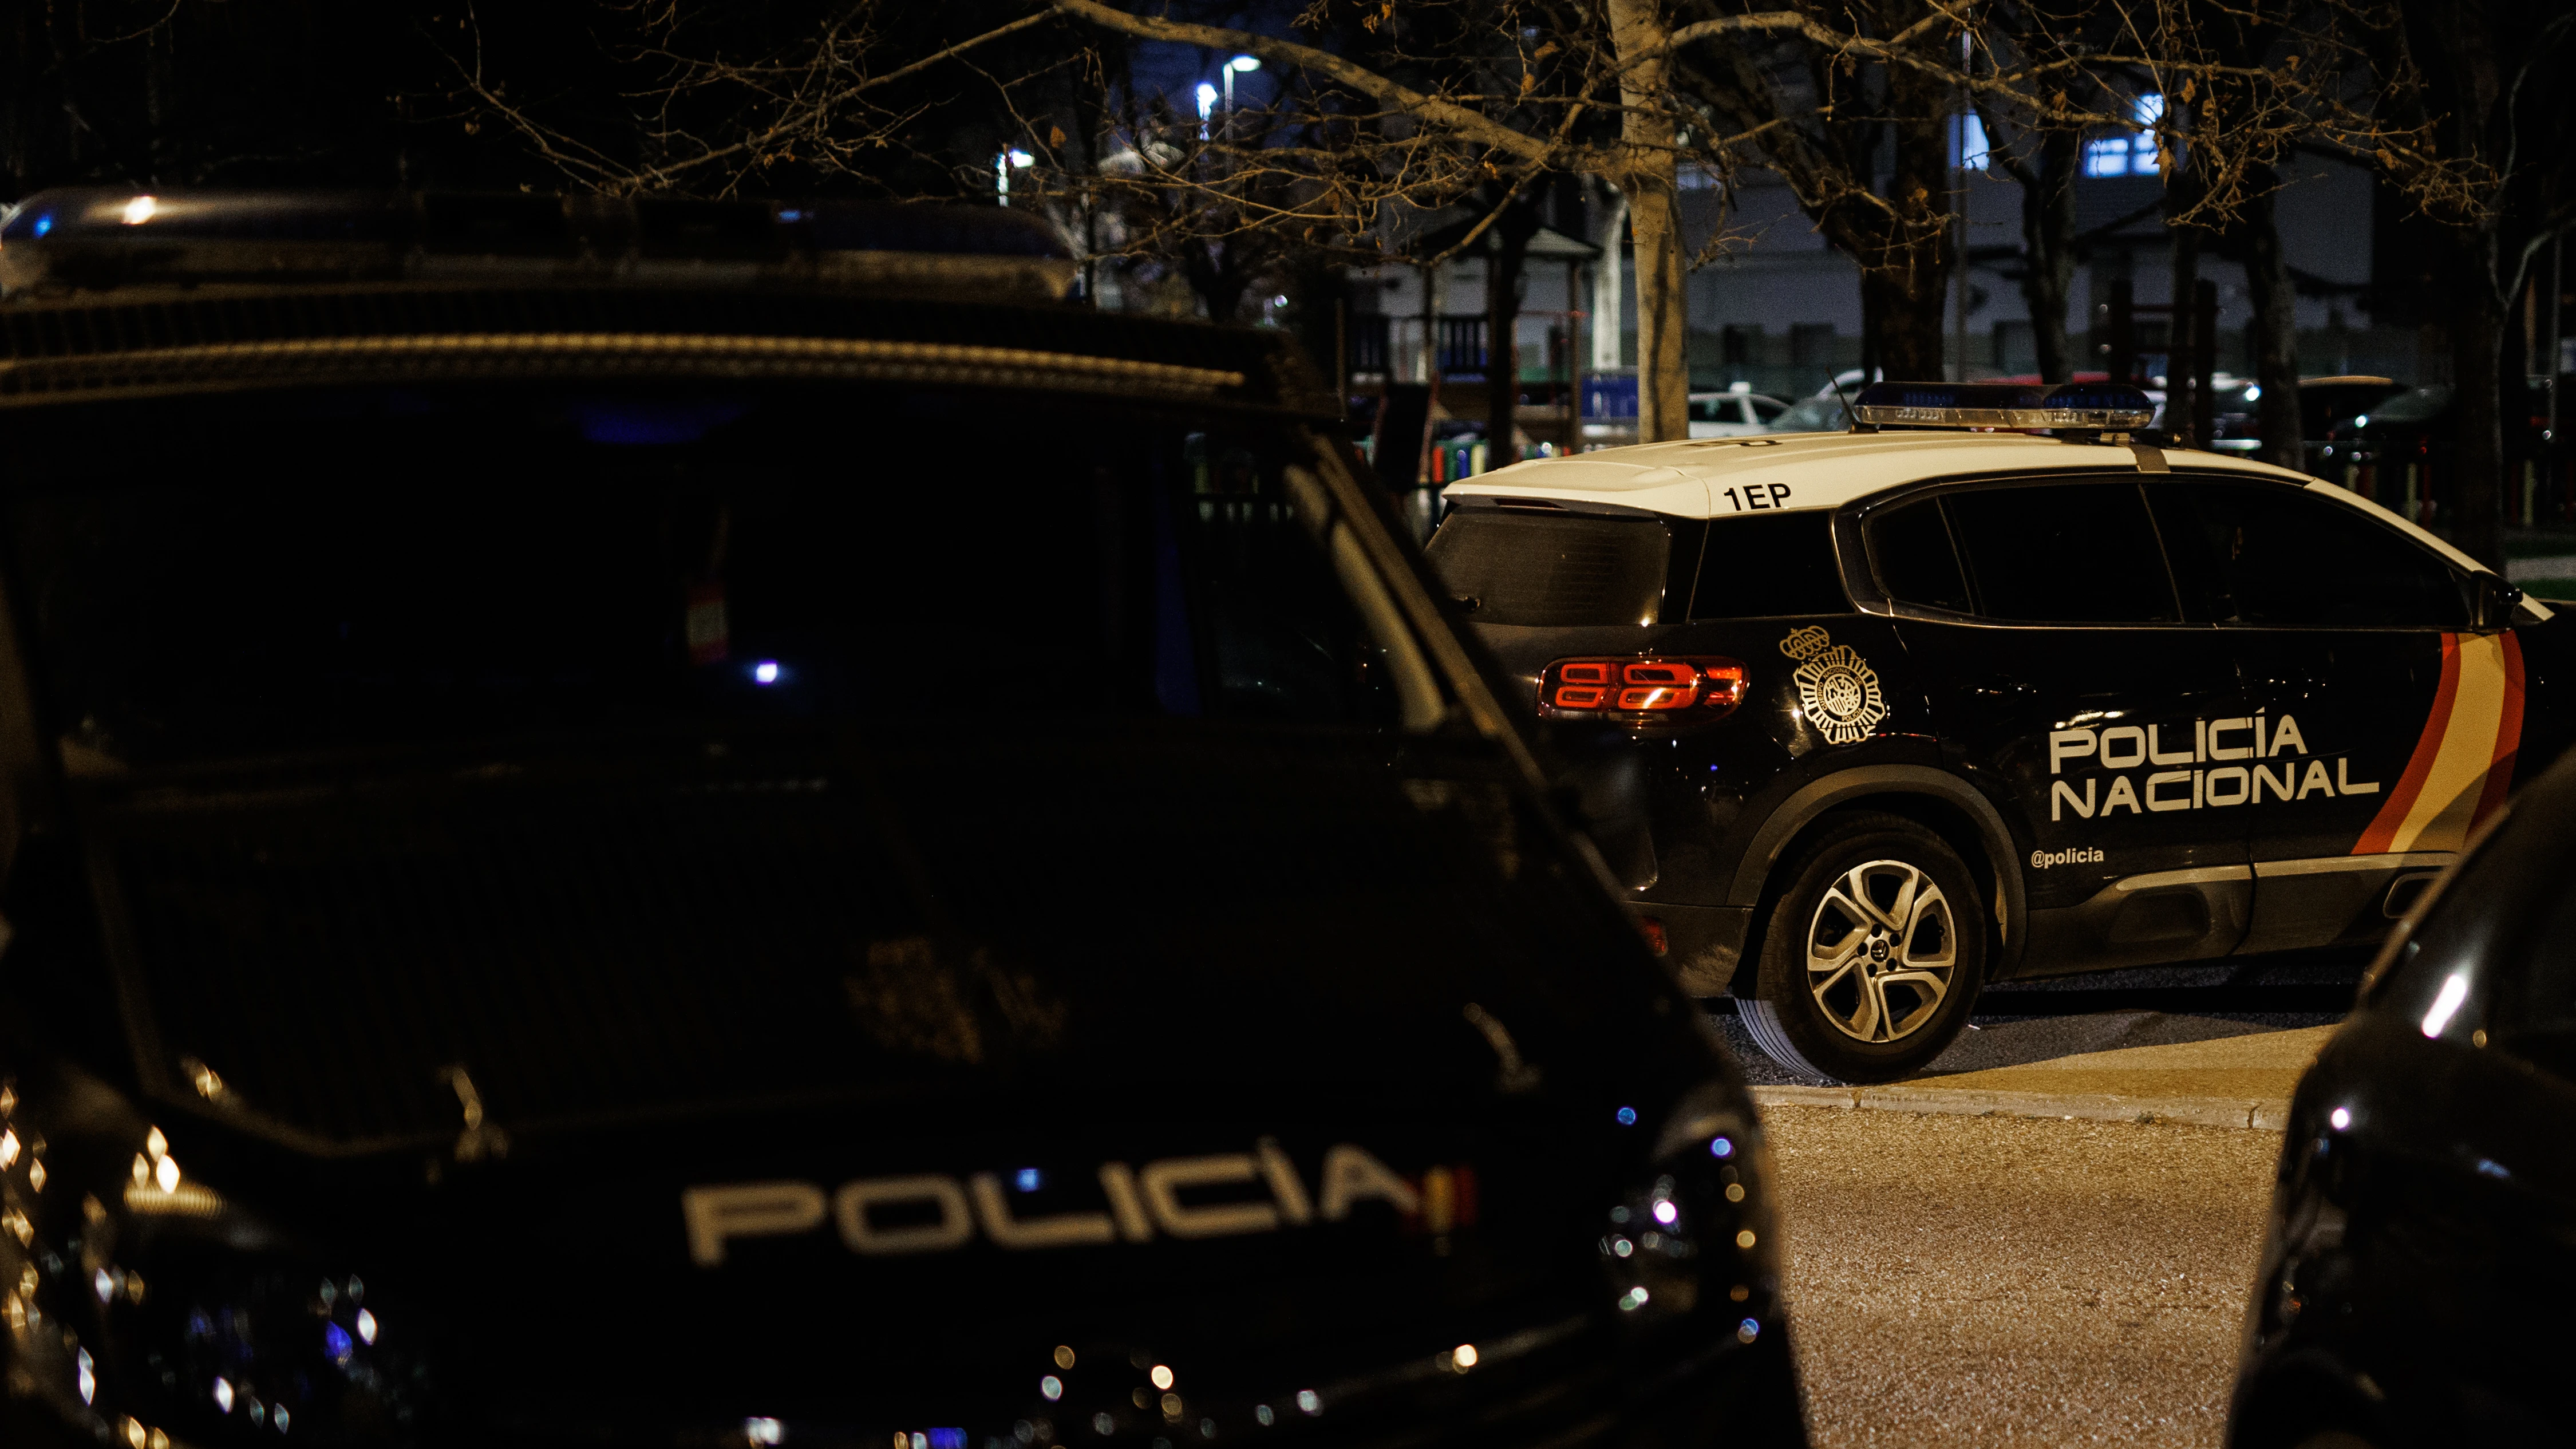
1815 415
641 749
238 576
2416 405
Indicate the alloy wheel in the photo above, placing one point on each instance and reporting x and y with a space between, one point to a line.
1881 951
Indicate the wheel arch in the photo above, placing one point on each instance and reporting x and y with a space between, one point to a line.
1939 801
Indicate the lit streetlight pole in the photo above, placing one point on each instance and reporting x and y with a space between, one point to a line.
1244 64
1004 163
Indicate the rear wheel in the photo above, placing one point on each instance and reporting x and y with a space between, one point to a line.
1872 955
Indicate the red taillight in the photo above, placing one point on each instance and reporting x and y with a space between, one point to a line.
1651 689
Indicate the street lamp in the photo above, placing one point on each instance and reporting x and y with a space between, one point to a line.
1245 64
1009 160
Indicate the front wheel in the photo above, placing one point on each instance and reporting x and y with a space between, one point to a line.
1872 956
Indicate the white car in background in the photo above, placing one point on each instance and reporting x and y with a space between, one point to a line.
1733 414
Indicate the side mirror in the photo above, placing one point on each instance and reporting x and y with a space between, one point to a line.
2495 601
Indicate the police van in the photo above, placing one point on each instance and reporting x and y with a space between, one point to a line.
1990 687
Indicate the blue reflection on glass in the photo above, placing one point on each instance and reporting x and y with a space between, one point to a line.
1028 1179
1627 1116
335 1341
623 422
1720 1147
947 1439
44 223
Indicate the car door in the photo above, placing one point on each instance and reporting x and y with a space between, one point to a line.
2066 681
2384 726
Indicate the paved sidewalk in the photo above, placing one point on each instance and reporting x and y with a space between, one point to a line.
2228 1081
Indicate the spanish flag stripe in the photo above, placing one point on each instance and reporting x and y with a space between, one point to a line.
2508 743
2377 840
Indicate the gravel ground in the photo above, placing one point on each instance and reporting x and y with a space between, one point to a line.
2000 1281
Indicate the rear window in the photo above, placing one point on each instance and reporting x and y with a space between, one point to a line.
1758 567
1555 569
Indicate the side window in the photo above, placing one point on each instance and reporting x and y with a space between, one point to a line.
2064 553
1764 409
2250 553
1759 566
1704 410
1911 557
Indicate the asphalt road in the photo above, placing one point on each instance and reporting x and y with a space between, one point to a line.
2001 1281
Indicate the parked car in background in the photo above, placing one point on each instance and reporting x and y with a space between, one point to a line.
2423 422
2323 402
1732 414
1823 413
1940 702
2414 1282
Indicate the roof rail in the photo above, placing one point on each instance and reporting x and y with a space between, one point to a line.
96 239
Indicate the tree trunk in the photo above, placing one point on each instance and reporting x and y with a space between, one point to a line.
1637 33
2477 345
2182 338
1511 238
1903 305
1608 287
1212 273
2276 330
2048 251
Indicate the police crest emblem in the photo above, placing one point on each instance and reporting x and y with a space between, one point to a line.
1838 687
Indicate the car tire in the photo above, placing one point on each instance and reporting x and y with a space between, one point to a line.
1872 956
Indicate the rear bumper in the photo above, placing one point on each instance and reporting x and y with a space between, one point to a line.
1701 943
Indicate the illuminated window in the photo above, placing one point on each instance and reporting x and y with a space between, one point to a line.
2133 154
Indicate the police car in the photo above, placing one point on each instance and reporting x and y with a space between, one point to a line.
591 859
1939 701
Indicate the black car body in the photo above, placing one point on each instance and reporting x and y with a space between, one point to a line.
2103 706
595 856
2423 1234
2236 425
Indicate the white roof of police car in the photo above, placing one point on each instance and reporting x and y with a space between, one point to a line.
1712 477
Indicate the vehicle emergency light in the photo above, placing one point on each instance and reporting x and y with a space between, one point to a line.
2090 406
1642 691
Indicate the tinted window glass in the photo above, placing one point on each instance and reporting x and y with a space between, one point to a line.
570 559
1552 568
2256 554
1756 566
1765 410
1909 550
2069 553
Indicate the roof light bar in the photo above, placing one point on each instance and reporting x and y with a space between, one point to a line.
2109 406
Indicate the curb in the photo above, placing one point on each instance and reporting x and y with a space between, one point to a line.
2258 1114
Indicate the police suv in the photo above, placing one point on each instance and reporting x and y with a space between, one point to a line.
588 859
1943 700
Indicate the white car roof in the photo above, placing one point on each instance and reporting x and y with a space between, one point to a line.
1795 471
1808 470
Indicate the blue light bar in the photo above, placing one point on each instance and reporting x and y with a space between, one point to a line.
2002 405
